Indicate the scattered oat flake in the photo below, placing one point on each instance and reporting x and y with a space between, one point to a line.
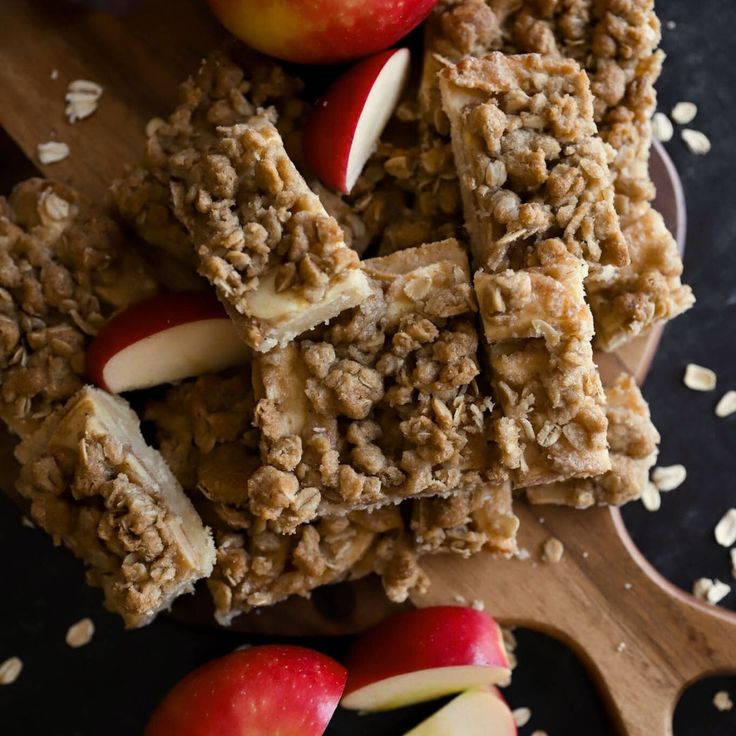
54 75
722 701
53 151
711 591
521 716
553 550
10 669
478 605
684 112
461 600
668 477
523 554
727 405
80 633
699 378
650 497
733 562
662 127
697 142
628 586
725 530
82 97
621 646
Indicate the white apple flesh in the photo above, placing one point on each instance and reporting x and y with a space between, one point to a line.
348 120
479 712
164 339
424 654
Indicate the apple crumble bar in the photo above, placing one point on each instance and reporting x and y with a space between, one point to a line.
633 442
529 161
98 489
64 270
539 329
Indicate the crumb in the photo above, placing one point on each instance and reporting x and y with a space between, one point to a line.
727 405
461 600
585 555
725 531
80 633
667 478
662 127
670 25
722 701
696 141
628 586
10 669
684 112
699 378
733 562
242 647
27 523
650 497
621 646
82 98
553 550
54 75
539 733
523 554
52 152
478 605
541 519
521 716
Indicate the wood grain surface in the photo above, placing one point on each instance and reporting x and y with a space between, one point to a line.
643 640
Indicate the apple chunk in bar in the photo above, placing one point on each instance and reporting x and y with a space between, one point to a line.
277 260
530 164
98 489
633 442
539 327
382 403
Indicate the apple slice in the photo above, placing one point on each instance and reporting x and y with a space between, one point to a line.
346 123
424 654
261 691
166 338
477 712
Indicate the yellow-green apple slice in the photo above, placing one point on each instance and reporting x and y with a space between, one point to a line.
346 123
164 339
477 712
320 31
424 654
261 691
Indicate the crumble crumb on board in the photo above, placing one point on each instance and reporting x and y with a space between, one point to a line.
684 112
727 405
52 152
553 550
725 531
80 633
523 554
478 605
697 141
82 98
710 591
621 646
54 75
628 586
662 127
521 716
10 669
667 478
699 378
461 600
722 701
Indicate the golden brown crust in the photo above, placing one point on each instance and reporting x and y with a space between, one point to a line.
633 441
64 270
96 488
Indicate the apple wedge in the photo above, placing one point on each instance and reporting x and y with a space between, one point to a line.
164 339
261 691
424 654
348 120
477 712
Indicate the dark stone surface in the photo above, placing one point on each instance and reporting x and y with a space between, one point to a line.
112 685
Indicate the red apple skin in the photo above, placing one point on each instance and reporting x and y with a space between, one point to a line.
261 691
159 313
320 31
421 639
329 132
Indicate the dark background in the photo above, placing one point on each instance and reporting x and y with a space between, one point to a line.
110 686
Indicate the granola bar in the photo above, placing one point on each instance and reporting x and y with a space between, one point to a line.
98 489
633 441
530 163
381 404
539 329
64 270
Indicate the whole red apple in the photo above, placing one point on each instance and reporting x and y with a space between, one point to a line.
320 31
261 691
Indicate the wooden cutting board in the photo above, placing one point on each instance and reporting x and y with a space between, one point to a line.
643 640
